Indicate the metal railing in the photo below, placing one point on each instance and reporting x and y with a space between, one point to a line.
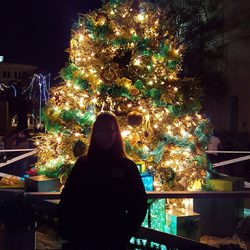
48 202
231 161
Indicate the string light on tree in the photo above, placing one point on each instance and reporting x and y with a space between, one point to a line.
124 60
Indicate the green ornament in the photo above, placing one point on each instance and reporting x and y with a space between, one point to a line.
87 119
78 117
175 110
139 84
81 83
125 93
155 94
67 115
135 38
67 72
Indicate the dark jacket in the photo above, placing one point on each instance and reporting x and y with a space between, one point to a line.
103 202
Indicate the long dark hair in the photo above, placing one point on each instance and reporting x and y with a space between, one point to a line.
117 148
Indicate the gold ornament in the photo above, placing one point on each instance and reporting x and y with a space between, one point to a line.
134 119
110 73
124 82
134 91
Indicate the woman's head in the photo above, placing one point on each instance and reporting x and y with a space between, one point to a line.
106 135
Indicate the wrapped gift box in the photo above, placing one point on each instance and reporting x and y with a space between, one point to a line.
148 181
156 215
11 182
141 166
227 183
41 183
183 223
223 213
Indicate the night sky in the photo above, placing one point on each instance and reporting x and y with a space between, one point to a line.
38 31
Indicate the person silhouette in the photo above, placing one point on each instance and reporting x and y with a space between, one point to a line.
103 202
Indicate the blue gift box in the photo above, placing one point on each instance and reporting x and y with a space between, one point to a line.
148 181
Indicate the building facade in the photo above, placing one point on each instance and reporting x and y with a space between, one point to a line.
232 112
14 72
13 76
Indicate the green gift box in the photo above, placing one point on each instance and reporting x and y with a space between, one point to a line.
219 216
156 215
183 223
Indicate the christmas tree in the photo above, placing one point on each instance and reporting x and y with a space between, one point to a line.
124 60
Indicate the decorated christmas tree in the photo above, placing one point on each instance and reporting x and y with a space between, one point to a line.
124 60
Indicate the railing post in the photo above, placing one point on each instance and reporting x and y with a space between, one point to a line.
149 216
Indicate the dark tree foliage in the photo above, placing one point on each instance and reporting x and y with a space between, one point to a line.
198 26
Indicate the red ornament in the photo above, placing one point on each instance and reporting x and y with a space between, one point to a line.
32 172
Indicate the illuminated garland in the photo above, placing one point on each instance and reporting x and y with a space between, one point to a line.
38 89
3 87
